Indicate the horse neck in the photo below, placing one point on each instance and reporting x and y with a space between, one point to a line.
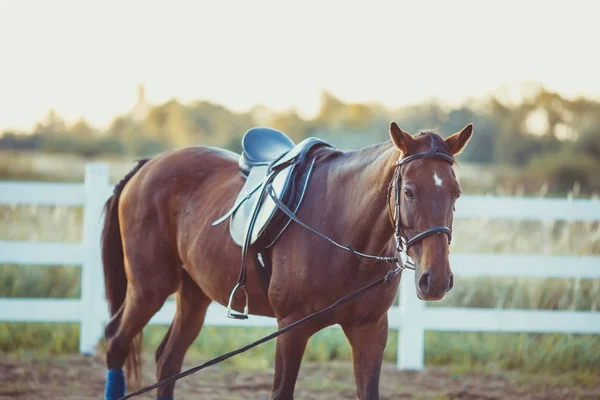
361 180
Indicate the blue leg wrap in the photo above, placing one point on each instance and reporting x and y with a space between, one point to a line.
115 384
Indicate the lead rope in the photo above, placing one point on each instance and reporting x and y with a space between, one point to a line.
387 278
290 214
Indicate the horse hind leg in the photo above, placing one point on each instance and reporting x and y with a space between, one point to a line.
192 304
144 297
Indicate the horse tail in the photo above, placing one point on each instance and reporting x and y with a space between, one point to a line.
113 259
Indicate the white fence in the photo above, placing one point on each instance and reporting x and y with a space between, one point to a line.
411 318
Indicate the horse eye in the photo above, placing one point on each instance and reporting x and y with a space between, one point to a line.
409 194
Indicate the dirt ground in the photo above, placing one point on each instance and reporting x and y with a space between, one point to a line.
76 377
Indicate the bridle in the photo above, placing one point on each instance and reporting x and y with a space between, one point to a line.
403 243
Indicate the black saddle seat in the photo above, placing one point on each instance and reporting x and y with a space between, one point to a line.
261 146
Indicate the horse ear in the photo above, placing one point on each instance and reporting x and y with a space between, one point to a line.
403 141
457 142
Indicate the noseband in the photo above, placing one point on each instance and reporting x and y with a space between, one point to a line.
403 243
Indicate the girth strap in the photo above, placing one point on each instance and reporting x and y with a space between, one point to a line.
263 264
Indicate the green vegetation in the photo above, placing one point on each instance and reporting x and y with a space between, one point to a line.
542 138
38 339
463 351
542 145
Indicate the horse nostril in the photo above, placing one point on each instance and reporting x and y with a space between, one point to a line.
450 283
424 282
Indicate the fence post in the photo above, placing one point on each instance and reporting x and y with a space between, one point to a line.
92 278
411 336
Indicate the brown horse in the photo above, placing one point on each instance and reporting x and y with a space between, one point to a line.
158 240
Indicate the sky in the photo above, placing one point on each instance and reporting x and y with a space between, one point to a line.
84 59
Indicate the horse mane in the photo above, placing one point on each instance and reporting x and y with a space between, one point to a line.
437 145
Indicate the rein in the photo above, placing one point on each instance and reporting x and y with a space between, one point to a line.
293 216
402 245
402 242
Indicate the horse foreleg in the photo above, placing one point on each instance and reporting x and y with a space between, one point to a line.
288 357
192 304
368 343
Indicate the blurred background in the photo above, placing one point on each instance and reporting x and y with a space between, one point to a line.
116 81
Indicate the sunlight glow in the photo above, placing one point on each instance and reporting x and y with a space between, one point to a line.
84 59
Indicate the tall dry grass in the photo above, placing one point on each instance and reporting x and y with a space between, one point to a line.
466 350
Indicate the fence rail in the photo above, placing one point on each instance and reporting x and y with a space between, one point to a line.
411 318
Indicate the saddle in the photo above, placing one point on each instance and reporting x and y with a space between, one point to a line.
272 164
261 146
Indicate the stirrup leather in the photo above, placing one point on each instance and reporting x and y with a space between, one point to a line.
241 283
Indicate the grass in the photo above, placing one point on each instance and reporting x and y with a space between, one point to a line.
37 339
46 167
24 282
462 351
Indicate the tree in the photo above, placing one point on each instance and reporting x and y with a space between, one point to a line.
290 123
50 124
81 129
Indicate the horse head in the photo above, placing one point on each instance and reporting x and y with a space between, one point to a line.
425 195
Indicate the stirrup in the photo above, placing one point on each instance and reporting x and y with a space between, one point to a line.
236 315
